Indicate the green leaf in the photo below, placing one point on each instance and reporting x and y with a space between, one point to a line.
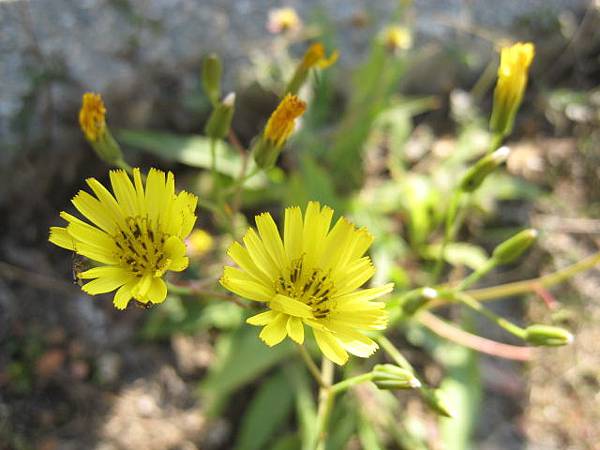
241 358
265 414
193 151
287 442
306 410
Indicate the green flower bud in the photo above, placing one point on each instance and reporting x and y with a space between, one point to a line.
548 336
482 168
437 401
412 301
389 376
211 77
219 121
514 247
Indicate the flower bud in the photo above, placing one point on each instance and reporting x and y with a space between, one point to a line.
277 131
314 57
548 336
389 376
397 38
512 248
412 301
92 120
477 173
199 243
512 80
211 77
437 401
219 121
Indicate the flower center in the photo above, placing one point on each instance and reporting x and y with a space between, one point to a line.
313 287
141 247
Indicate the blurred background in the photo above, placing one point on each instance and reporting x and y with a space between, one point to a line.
77 374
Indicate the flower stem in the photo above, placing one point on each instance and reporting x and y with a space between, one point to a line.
326 401
500 321
349 382
475 276
213 163
450 230
521 287
310 364
496 142
394 353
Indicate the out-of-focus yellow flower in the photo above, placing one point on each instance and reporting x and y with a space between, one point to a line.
310 277
92 116
512 80
199 243
282 121
315 57
283 20
135 235
397 38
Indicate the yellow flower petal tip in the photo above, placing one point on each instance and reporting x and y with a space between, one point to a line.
135 234
92 116
281 123
315 57
512 80
282 20
310 275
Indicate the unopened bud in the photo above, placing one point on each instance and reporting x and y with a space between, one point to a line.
92 119
211 77
412 301
437 401
512 248
219 121
389 376
547 335
482 168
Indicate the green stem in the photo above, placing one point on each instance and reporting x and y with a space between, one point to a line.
394 353
500 321
474 277
449 231
121 164
496 143
213 165
349 382
326 402
310 364
521 287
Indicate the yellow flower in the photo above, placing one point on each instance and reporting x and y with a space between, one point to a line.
397 38
512 80
311 277
283 19
199 243
315 57
135 235
92 116
282 121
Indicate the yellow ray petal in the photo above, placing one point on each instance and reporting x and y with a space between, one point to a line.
275 331
330 347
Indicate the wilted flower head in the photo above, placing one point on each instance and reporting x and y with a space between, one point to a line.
135 234
310 277
512 80
283 20
92 116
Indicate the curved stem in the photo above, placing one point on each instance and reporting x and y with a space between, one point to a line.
394 353
477 343
349 382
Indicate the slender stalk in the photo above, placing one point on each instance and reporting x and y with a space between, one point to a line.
326 402
310 364
546 281
474 277
449 231
477 343
349 382
500 321
394 353
121 164
496 143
